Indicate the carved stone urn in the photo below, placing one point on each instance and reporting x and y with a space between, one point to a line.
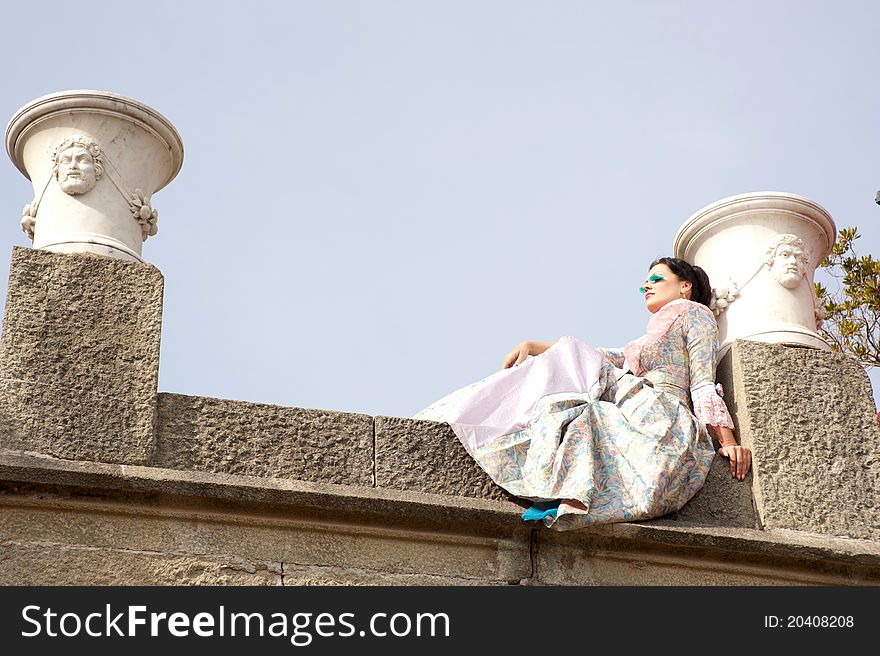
95 159
761 250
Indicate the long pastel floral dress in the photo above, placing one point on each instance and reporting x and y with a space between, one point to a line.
596 436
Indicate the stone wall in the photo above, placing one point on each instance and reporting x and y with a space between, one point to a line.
79 357
810 420
235 437
72 522
254 439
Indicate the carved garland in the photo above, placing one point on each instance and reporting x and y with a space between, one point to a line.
139 204
722 297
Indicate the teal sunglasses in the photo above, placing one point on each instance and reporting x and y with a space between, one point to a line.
653 279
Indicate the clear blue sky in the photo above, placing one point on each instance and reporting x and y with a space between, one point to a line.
380 199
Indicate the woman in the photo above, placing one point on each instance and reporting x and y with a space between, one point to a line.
606 435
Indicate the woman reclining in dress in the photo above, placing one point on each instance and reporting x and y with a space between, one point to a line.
595 436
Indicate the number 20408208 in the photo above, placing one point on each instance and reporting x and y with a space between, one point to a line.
810 621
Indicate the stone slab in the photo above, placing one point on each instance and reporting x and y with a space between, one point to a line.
258 519
234 437
78 423
810 420
659 552
59 564
723 500
79 356
20 471
426 456
297 576
228 537
593 565
321 533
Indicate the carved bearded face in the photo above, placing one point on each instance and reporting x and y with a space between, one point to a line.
787 265
77 173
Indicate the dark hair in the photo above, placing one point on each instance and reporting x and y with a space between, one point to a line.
701 290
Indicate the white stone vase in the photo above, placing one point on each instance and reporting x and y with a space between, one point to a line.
760 251
95 159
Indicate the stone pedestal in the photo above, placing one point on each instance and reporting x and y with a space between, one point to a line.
760 251
809 418
95 159
79 357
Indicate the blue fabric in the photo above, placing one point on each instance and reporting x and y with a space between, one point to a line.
541 510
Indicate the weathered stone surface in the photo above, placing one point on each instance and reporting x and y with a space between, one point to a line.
259 520
226 538
233 437
810 420
22 471
59 564
74 422
723 500
662 553
426 456
211 525
859 560
300 576
590 564
230 538
79 357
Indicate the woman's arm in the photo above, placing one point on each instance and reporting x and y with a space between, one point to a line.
702 345
525 349
522 350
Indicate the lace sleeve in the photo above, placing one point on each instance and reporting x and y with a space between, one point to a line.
702 347
709 407
613 355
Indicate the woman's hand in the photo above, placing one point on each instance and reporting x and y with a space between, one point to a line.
522 350
740 459
519 353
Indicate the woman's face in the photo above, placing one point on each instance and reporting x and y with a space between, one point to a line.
663 286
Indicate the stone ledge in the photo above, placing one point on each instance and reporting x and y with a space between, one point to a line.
227 437
722 501
426 456
60 564
222 436
321 499
24 472
157 519
619 554
771 542
314 575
